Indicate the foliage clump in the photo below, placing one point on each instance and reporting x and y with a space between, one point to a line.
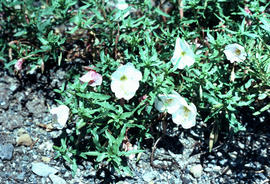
212 54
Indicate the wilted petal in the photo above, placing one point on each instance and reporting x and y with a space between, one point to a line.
18 64
62 113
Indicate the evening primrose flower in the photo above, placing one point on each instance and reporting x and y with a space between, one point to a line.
170 103
62 113
185 115
92 78
183 54
125 81
235 53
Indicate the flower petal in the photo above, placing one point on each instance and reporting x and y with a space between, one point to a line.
185 116
62 113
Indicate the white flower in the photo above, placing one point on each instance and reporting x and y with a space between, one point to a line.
125 81
185 115
121 5
183 54
235 53
62 113
92 78
169 103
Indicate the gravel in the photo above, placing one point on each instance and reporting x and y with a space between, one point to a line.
6 151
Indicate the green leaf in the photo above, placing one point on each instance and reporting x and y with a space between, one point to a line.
43 41
243 103
91 153
80 124
110 137
94 95
266 24
20 33
74 167
101 157
126 115
146 74
229 107
249 82
160 12
262 96
265 108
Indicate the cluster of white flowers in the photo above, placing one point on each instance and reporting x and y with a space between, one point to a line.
182 113
125 81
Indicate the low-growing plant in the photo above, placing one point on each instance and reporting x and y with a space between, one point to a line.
29 31
192 63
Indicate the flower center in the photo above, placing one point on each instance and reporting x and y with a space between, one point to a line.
186 112
183 53
237 52
169 101
123 78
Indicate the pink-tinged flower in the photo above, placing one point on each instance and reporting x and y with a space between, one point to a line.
248 21
92 78
248 10
18 65
142 98
127 146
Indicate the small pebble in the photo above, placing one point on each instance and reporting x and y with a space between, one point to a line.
196 170
56 179
42 169
223 162
4 104
148 176
219 154
233 155
46 159
241 145
21 176
216 168
24 140
6 151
